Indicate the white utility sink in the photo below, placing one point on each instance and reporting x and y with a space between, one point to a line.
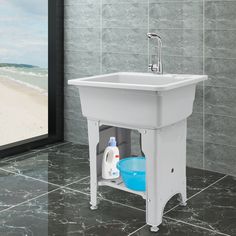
155 105
138 99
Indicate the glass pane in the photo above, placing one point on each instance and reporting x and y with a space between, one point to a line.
23 69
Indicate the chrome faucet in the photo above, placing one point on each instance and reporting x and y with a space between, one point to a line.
156 67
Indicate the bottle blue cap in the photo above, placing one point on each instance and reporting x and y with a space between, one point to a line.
112 142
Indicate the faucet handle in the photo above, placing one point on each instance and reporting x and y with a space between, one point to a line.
150 66
153 67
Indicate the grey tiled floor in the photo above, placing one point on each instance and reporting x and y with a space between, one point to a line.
46 192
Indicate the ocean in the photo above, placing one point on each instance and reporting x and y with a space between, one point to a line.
34 77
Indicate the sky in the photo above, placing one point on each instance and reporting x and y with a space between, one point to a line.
24 32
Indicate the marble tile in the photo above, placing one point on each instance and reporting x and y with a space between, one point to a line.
220 101
179 14
157 1
195 153
65 212
195 127
179 42
79 2
221 72
32 151
17 189
220 129
214 208
88 61
135 143
45 147
182 65
196 181
220 15
71 91
118 40
220 158
198 101
115 62
76 131
82 16
128 15
82 39
220 43
124 1
173 228
72 108
60 165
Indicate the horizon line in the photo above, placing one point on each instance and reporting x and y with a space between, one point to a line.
23 64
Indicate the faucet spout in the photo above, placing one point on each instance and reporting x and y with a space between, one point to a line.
156 67
153 35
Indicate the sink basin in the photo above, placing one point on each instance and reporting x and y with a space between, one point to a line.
140 100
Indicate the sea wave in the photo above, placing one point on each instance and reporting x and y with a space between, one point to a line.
42 91
35 77
21 72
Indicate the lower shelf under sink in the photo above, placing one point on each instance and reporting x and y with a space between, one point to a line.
119 184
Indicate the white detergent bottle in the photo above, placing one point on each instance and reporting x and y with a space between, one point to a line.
111 157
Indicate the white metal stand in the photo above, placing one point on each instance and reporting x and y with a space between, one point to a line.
93 130
165 151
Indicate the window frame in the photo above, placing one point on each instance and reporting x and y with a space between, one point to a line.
55 85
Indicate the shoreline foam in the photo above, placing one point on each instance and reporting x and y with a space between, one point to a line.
42 91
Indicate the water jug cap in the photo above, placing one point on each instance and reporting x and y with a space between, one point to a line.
112 142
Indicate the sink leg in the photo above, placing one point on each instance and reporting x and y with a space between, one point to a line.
154 202
92 207
93 134
154 229
183 198
183 204
165 152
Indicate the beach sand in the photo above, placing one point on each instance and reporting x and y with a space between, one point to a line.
23 112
